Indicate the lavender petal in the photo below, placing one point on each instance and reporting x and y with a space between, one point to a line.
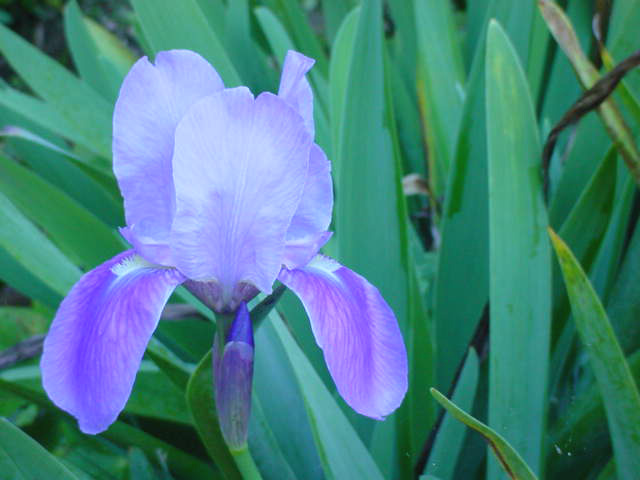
294 86
153 98
239 168
313 216
99 334
358 333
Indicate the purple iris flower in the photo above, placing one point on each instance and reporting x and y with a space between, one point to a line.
223 192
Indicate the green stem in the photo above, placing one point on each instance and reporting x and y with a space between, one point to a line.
245 464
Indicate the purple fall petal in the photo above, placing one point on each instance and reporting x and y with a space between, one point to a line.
357 332
294 86
100 332
239 168
153 98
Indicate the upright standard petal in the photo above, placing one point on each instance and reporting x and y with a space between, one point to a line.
294 86
357 332
307 232
99 334
153 99
239 168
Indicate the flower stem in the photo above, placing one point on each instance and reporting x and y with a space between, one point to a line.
245 464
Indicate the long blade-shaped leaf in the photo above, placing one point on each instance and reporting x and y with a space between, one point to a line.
341 451
509 458
79 234
32 249
86 56
565 35
22 458
520 263
441 85
617 386
168 26
80 106
448 443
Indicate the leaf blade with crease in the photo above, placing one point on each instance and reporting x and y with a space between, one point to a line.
22 458
510 460
617 386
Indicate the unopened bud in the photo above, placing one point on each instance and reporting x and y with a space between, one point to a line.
233 371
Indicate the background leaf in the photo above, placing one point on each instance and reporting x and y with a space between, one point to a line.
520 268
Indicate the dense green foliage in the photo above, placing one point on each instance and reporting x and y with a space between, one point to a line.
434 114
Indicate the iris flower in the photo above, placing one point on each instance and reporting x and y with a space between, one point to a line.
225 193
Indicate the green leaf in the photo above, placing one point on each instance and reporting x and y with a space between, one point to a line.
448 444
84 110
155 396
113 54
22 458
334 12
562 89
622 38
295 19
519 256
338 80
173 367
591 213
341 451
605 267
64 170
32 249
369 170
85 54
264 447
46 115
517 19
508 457
15 274
278 38
617 386
580 432
623 306
249 60
590 146
280 42
440 85
587 74
119 432
140 468
214 11
462 287
78 234
200 400
19 323
167 27
276 389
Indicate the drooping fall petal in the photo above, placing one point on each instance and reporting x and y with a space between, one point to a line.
358 334
99 334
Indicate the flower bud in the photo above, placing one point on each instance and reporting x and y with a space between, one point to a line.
233 375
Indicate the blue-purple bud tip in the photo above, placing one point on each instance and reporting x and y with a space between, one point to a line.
233 370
